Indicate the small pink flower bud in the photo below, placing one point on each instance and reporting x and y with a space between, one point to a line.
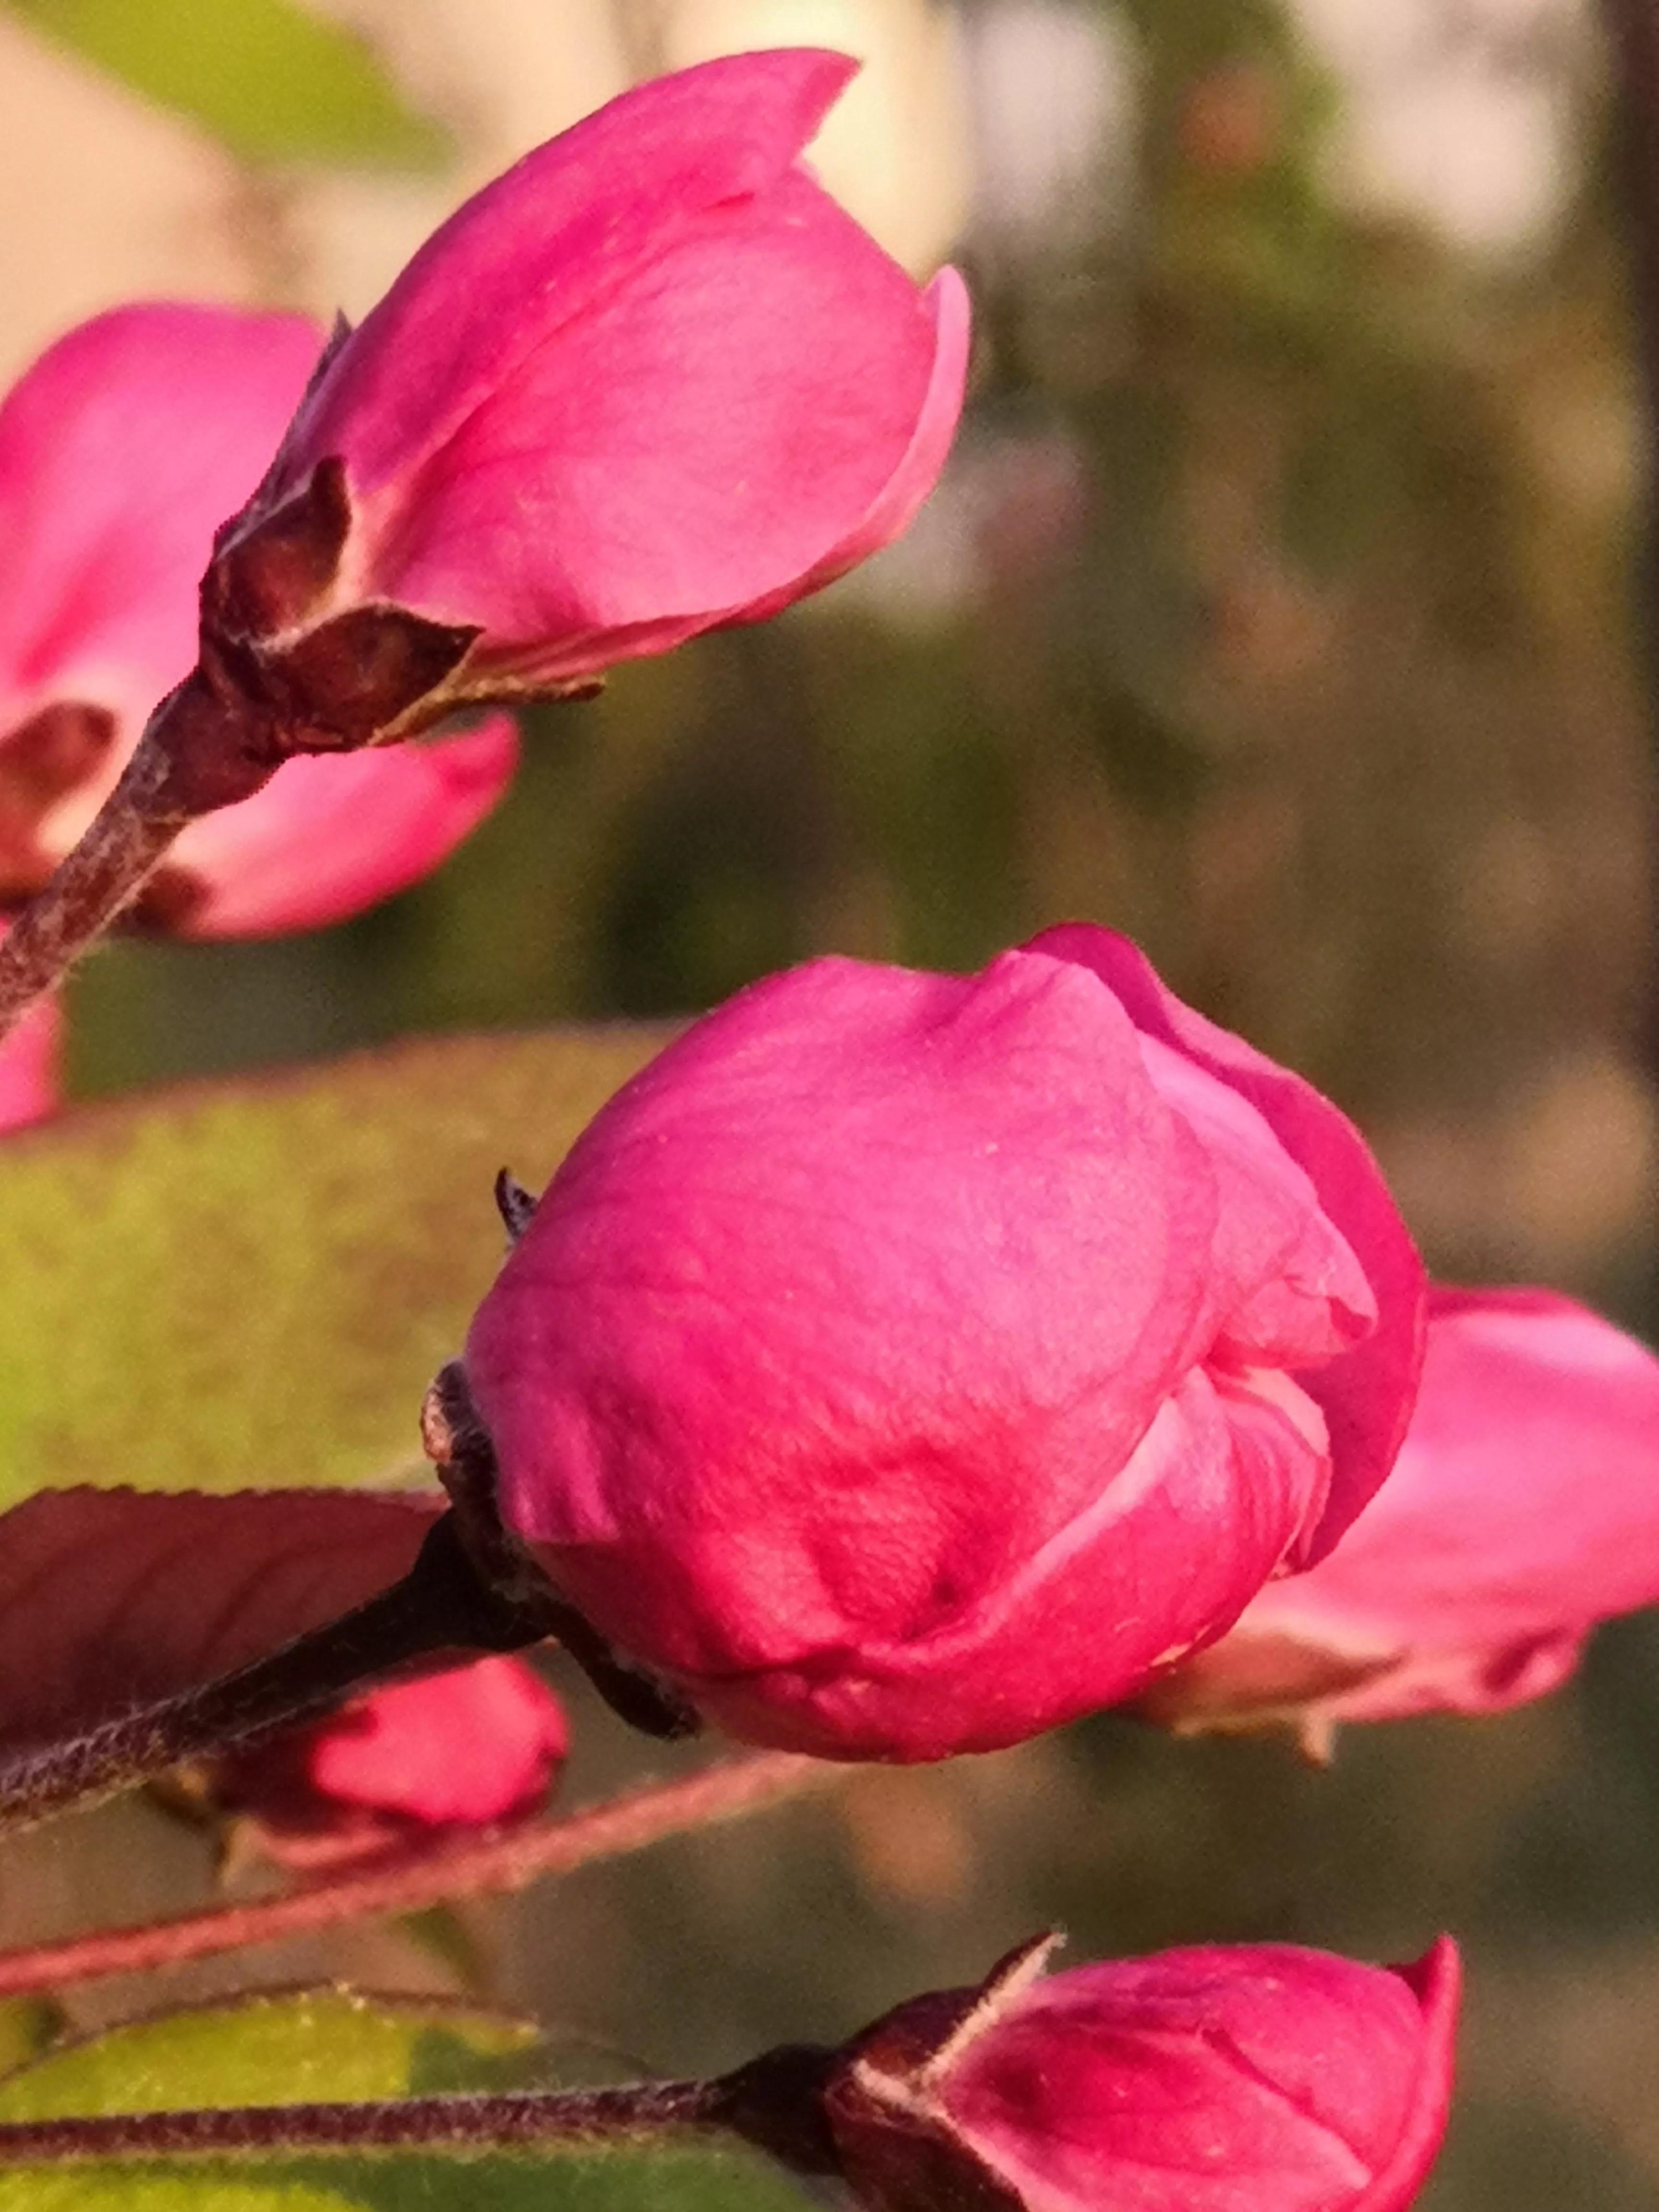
652 379
1262 2078
1522 1509
121 450
467 1748
903 1363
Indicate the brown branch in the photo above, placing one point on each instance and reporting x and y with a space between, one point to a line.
131 834
469 1866
456 2124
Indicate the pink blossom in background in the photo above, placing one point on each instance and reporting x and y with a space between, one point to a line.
1256 2078
331 834
28 1066
1523 1509
121 450
468 1748
903 1363
651 380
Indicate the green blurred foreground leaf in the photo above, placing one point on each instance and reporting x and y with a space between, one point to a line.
329 2047
323 2044
270 79
248 1285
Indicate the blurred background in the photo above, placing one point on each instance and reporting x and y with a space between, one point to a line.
1275 608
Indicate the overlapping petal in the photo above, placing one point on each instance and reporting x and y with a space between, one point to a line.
1523 1509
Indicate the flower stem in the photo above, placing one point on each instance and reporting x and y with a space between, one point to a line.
469 1866
198 752
516 2120
439 1605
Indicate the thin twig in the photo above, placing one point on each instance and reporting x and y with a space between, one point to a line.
463 2125
129 836
200 750
469 1866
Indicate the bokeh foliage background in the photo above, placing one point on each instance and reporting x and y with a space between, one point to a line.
1277 608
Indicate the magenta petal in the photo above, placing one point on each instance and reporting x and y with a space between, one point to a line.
1367 1394
894 508
1521 1510
473 1744
28 1066
531 252
1255 2079
121 451
332 833
674 454
1159 1563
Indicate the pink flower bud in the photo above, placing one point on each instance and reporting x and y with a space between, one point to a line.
651 380
1522 1509
467 1748
903 1363
1262 2078
121 450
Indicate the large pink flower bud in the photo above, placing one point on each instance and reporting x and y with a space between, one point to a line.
652 379
1262 2078
121 451
465 1748
1522 1509
903 1363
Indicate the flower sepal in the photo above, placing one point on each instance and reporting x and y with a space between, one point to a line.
900 2149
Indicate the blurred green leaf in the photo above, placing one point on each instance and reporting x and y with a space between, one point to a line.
248 1285
272 82
27 2026
632 2180
325 2045
333 2046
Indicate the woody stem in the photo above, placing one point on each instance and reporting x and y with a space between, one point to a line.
557 2119
163 789
442 1604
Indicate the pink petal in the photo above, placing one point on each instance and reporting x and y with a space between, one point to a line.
720 431
121 451
894 508
1159 1562
1367 1394
332 833
1522 1509
530 254
28 1066
473 1744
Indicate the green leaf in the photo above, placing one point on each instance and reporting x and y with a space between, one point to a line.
631 2180
334 2046
325 2045
248 1285
269 79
